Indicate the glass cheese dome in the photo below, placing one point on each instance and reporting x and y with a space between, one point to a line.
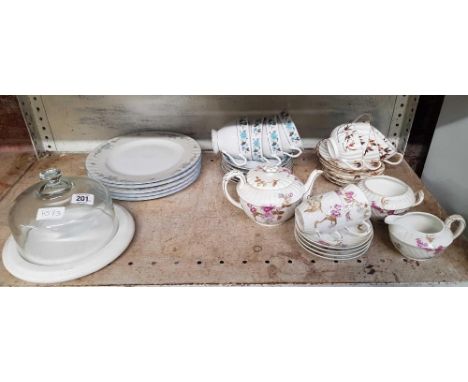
62 219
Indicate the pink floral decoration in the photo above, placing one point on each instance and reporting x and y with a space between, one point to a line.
336 210
421 244
349 196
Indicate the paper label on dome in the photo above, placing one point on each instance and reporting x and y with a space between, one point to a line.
83 199
50 213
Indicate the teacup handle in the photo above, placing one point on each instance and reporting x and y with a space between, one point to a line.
419 197
226 178
352 167
277 158
244 159
332 148
338 240
394 163
364 117
368 229
461 224
267 161
299 152
372 168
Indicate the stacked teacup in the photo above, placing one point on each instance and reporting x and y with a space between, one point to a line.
247 144
335 225
355 151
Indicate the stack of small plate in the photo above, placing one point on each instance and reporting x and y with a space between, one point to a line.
145 165
326 246
338 172
227 165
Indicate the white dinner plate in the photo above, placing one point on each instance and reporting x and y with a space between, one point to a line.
143 186
143 157
162 191
156 195
165 186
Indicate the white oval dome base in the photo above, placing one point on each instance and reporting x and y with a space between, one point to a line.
24 270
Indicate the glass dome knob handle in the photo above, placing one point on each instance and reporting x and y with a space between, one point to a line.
51 175
55 185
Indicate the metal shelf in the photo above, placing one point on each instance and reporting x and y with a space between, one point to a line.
198 237
80 123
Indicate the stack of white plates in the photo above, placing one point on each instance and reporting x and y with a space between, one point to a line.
338 172
328 247
227 165
145 165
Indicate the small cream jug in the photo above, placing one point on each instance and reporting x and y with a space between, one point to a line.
420 235
268 195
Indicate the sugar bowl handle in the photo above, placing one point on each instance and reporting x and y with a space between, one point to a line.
461 224
227 177
419 197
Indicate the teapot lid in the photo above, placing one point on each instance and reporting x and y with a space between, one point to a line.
270 178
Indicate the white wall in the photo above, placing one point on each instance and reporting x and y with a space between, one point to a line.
446 169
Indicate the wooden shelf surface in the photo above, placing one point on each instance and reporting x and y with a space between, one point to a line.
197 237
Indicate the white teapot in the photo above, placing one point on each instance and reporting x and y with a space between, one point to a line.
269 195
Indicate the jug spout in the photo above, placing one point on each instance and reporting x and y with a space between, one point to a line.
391 219
310 181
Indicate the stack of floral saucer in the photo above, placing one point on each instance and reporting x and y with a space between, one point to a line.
227 165
339 172
145 165
345 244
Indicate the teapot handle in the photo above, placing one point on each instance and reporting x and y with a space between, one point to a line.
461 224
227 177
419 197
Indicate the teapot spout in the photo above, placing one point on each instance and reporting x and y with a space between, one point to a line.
310 181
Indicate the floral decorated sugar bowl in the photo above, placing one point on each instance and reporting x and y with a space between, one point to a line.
268 195
421 236
389 196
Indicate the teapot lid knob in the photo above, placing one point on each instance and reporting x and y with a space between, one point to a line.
270 169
